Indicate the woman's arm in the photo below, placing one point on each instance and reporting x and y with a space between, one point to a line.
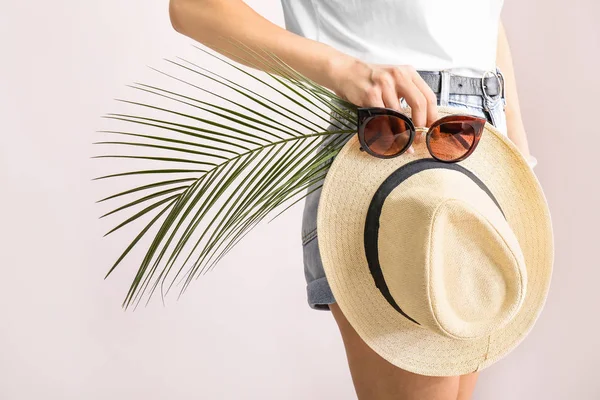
515 128
215 22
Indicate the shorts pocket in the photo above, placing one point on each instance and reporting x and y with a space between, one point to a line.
470 109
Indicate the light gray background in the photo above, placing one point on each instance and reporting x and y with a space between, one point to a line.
243 331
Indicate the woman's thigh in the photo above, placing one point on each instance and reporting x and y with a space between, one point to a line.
376 379
467 386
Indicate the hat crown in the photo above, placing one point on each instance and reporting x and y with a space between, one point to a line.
457 268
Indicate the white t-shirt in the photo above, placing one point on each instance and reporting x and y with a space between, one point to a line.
459 35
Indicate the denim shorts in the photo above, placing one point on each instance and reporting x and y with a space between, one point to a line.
318 291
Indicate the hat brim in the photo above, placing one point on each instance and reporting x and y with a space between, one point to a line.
346 193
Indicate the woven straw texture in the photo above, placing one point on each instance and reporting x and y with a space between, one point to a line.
349 185
448 255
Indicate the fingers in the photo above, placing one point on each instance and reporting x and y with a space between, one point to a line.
412 94
390 97
388 79
430 98
418 105
419 96
387 84
383 94
385 90
373 97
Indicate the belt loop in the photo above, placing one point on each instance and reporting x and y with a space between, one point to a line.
501 75
444 87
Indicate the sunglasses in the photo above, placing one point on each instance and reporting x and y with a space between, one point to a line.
386 133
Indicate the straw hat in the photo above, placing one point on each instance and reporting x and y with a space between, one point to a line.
442 269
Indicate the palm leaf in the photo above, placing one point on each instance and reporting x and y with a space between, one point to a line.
225 157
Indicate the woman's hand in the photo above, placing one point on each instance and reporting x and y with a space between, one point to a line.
376 85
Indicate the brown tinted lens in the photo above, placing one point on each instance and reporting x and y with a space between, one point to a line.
387 135
451 140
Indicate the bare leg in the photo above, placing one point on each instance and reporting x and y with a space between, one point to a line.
376 379
467 386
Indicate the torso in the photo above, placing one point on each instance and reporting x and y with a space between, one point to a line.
459 35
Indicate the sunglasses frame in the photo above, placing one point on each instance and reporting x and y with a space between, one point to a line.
365 114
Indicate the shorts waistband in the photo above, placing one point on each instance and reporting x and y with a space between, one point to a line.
448 87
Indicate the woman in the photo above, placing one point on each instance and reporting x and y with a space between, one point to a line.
382 53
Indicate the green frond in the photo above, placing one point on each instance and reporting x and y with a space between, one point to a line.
259 149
